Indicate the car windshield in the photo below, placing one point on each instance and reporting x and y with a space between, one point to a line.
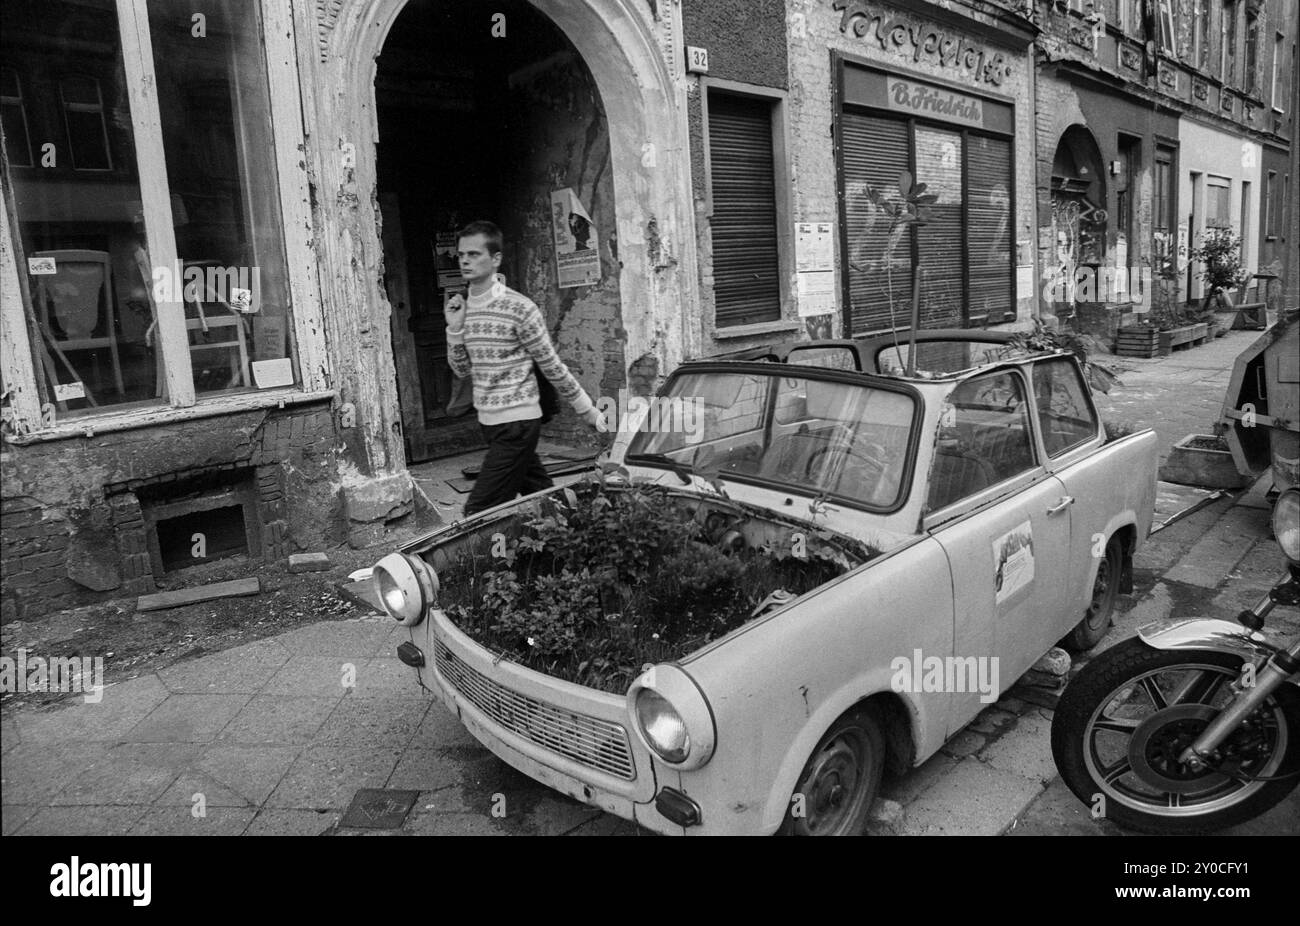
940 356
806 435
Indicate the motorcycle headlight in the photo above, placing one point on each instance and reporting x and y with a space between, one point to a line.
1286 523
406 586
672 717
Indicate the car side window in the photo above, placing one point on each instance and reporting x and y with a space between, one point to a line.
984 438
1064 412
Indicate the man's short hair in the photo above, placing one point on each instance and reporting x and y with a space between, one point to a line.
491 234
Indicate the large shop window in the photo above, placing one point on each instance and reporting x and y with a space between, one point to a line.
746 260
964 249
86 155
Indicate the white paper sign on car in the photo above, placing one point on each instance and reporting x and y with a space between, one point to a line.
1013 560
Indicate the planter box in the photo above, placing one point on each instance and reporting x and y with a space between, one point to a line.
1184 337
1137 341
1202 466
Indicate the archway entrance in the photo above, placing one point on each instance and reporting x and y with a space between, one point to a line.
1078 202
490 112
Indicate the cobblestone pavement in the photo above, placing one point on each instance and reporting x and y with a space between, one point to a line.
276 736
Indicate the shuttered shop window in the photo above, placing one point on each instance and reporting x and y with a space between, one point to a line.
965 245
875 152
988 181
746 271
938 166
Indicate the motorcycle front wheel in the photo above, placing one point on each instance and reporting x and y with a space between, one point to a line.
1122 723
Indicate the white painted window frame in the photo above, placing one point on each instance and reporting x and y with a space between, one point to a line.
19 372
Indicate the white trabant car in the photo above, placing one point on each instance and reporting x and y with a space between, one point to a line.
1001 521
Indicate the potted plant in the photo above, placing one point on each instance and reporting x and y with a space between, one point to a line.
1219 254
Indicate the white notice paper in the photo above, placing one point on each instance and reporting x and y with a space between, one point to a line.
812 247
816 293
270 373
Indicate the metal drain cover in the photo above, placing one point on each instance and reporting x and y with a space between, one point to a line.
379 809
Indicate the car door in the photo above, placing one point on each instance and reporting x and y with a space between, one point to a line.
1105 485
1000 518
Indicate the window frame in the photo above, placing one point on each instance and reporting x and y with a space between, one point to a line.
20 102
1270 209
1054 461
1278 89
1228 47
1212 182
30 421
781 146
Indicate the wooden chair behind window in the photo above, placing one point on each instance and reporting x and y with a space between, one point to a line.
76 301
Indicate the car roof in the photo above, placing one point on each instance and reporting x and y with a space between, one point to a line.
866 349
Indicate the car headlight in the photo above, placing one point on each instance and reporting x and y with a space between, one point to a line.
672 717
1286 523
406 586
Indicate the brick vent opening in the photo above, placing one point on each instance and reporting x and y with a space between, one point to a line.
201 537
201 517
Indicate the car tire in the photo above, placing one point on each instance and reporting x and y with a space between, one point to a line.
1105 589
838 784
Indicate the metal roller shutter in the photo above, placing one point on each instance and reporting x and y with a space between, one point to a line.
942 245
746 269
988 180
875 152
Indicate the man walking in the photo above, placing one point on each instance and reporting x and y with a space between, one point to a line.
495 336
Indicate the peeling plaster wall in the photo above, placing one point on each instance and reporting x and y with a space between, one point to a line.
557 117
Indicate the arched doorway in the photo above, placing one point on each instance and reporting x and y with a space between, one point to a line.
627 47
1078 203
477 122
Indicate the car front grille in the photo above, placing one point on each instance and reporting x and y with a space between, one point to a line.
595 743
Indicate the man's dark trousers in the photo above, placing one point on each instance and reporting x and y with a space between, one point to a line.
511 466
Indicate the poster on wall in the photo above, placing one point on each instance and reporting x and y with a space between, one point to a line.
577 250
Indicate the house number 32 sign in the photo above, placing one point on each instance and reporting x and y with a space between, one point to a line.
697 60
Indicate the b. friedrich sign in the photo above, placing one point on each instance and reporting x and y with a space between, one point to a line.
923 100
925 42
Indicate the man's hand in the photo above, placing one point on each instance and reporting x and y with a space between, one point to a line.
454 313
596 418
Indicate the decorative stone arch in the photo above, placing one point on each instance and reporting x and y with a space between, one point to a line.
1079 215
632 51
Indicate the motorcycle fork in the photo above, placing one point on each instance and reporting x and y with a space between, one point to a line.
1276 671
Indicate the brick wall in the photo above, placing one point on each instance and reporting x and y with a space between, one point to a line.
71 526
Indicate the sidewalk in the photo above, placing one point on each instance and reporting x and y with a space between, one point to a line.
275 737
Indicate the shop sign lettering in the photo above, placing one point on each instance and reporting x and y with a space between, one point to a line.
915 98
921 43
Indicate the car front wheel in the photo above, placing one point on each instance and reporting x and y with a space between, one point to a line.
1101 606
838 785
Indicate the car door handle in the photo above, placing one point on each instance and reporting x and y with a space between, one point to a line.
1065 502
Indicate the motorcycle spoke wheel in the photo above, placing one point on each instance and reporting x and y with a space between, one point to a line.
1120 735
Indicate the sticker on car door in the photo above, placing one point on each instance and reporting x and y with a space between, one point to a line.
1013 558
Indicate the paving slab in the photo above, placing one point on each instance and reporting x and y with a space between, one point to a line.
129 773
253 772
243 670
1208 563
1025 750
94 820
34 773
326 777
279 719
1057 812
179 821
313 676
551 814
426 770
455 824
378 721
123 706
269 822
188 718
387 677
974 799
354 640
10 735
15 815
441 727
906 788
194 784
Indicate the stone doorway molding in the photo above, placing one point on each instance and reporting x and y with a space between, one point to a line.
633 50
